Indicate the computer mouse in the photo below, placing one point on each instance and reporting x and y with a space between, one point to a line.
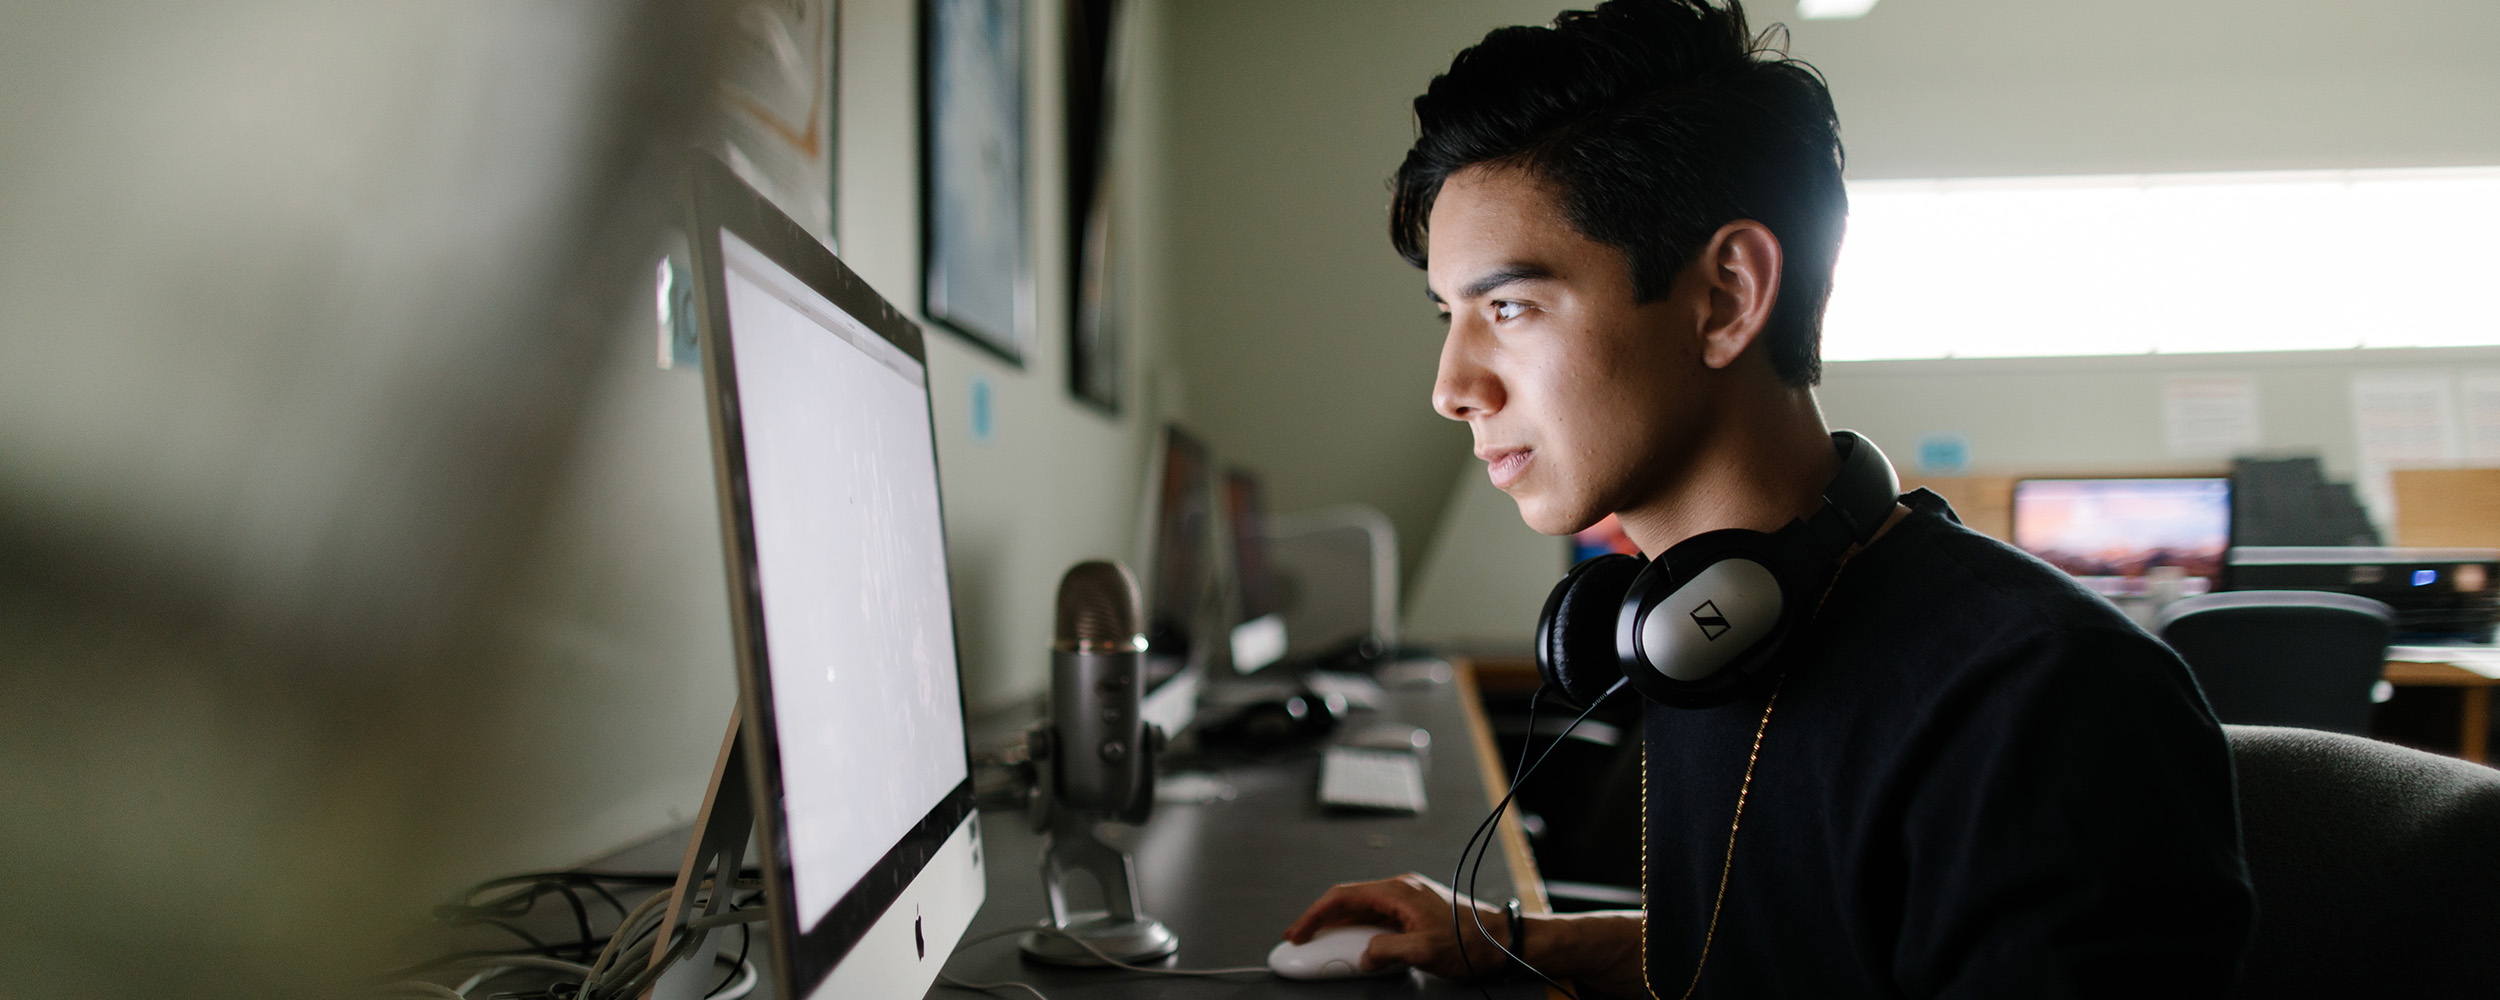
1335 953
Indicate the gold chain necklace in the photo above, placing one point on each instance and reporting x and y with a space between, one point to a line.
1728 864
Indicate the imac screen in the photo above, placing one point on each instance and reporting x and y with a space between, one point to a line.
2112 533
850 562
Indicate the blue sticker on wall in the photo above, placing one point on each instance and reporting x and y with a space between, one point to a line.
675 288
1943 454
983 426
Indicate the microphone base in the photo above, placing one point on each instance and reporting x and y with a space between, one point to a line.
1135 941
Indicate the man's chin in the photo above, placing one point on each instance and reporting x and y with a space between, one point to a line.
1548 518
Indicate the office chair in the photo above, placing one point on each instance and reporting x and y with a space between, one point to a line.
2372 865
2283 657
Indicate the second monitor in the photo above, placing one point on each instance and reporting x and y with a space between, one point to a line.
2111 534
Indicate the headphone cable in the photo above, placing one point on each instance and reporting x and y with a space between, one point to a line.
1487 830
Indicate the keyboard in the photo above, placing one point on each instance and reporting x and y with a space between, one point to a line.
1379 780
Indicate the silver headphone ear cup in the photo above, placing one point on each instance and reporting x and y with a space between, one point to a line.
1707 617
1711 621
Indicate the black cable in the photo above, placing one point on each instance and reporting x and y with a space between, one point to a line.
745 937
516 932
1517 772
581 915
1490 821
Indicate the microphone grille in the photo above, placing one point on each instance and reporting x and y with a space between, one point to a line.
1098 608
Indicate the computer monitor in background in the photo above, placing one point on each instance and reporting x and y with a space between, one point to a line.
1179 515
850 692
1257 630
1602 538
2111 533
1184 515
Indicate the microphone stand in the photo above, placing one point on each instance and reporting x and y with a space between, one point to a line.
1073 847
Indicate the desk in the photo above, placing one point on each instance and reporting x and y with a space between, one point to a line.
1227 876
2474 710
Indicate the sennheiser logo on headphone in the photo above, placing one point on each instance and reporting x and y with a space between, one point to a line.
1713 624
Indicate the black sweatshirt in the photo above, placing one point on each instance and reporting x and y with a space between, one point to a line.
1980 780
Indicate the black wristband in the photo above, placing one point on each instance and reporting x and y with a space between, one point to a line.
1518 929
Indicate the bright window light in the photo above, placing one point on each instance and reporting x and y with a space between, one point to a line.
2177 263
1820 10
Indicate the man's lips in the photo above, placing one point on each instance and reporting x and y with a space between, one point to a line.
1505 465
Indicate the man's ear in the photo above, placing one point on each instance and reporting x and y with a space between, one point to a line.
1740 271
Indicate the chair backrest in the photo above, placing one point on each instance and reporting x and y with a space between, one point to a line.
2283 657
2376 867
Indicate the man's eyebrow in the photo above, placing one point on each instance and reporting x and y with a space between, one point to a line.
1503 275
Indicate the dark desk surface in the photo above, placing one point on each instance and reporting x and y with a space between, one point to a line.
1227 876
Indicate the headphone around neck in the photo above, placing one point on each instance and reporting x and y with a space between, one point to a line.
1697 626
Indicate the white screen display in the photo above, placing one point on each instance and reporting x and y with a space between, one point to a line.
858 635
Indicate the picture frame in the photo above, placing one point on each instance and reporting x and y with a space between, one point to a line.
977 272
1097 323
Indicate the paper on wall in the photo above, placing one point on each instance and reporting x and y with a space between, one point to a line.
2209 415
2401 420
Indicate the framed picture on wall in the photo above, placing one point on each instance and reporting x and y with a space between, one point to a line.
977 275
778 97
1097 327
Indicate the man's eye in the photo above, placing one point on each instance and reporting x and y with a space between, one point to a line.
1442 315
1508 310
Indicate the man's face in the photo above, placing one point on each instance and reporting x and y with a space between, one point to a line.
1582 401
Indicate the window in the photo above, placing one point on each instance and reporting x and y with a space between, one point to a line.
2177 263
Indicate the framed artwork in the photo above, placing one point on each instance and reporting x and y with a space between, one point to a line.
977 278
1096 323
777 96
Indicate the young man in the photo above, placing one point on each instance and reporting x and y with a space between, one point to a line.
1971 777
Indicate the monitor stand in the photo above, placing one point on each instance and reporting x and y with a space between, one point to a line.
716 855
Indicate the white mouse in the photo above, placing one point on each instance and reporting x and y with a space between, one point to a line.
1335 953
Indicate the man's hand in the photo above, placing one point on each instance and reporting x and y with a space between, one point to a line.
1418 910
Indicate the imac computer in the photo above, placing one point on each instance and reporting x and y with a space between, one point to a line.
2111 534
1179 514
850 697
1257 626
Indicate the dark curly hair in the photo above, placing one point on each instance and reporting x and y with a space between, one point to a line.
1658 122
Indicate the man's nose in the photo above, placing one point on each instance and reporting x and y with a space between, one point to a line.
1465 387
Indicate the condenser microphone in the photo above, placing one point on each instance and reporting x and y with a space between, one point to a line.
1097 666
1094 760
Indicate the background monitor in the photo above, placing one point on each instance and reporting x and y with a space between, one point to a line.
1257 629
1245 517
849 683
1184 524
2111 533
1603 538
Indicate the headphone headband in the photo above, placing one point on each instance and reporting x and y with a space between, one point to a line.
1858 500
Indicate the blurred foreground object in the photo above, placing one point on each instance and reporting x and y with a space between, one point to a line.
299 303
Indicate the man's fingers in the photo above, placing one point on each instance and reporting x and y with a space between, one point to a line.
1341 905
1413 949
1386 902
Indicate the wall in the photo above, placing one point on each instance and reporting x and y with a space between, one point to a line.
1306 345
2104 415
1980 88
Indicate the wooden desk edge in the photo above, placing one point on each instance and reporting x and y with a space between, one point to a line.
1524 878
